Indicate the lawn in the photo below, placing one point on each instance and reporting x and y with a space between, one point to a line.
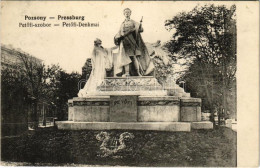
147 148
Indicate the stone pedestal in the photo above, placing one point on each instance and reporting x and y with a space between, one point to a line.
202 125
70 110
136 103
154 126
123 109
190 109
131 83
91 109
158 109
134 85
176 91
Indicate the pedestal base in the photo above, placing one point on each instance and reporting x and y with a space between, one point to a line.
135 103
155 126
202 125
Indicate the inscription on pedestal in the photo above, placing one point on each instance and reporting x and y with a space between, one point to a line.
123 108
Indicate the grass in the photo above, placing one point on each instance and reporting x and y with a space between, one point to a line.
148 148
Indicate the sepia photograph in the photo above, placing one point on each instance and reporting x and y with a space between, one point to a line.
129 83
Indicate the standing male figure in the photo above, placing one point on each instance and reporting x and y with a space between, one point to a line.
131 47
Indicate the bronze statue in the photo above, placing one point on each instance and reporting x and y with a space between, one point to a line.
133 58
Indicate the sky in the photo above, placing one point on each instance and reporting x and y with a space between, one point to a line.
69 46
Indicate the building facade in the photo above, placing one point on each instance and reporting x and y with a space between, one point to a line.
16 106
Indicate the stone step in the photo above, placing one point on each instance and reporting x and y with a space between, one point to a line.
202 125
138 93
178 92
155 126
186 94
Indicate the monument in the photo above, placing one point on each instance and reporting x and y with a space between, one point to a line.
132 98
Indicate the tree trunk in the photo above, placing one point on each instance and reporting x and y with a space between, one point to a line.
44 116
35 115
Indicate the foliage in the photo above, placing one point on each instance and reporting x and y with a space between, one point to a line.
210 148
86 69
13 102
28 83
63 86
205 41
59 86
118 146
163 71
28 76
164 61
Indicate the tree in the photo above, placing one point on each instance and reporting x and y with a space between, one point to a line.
27 84
205 39
164 61
14 102
163 71
60 87
67 89
33 72
86 69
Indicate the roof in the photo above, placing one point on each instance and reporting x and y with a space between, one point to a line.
15 52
